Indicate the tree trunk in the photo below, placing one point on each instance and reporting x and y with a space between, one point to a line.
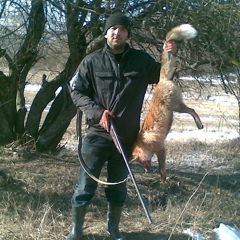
57 121
6 132
239 116
21 110
48 136
45 95
7 110
12 104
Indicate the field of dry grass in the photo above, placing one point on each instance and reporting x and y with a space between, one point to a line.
202 190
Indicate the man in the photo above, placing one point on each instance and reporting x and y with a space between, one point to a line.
110 83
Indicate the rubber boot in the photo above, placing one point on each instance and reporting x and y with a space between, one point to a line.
113 219
78 215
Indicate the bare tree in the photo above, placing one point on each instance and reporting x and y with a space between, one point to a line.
21 60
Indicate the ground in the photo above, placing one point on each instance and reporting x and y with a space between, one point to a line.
202 188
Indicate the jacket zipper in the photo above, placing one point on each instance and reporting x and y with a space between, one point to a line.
118 74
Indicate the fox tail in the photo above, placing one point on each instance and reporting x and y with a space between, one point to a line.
168 60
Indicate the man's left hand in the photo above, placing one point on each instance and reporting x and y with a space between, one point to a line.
170 46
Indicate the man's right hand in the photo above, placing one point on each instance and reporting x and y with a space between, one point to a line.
104 121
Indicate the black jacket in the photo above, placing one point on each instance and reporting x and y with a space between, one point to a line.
101 82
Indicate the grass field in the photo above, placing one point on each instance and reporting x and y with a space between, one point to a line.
202 190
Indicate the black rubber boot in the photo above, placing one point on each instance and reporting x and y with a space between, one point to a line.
78 215
113 219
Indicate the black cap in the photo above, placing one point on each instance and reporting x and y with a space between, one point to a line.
118 19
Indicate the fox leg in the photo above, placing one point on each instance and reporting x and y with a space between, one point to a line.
184 109
161 156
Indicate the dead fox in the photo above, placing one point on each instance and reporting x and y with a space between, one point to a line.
167 98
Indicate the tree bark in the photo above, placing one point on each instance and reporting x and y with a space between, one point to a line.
7 110
57 121
45 95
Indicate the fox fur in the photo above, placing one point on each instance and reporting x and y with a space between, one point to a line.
167 98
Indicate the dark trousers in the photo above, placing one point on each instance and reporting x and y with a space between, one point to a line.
96 151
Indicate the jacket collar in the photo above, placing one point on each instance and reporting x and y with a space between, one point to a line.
112 55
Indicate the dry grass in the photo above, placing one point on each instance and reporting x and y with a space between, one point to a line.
202 190
35 195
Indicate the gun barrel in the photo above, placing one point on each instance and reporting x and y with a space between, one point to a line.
118 144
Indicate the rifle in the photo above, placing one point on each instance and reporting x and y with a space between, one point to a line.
118 145
81 160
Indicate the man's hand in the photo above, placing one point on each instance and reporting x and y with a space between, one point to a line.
170 46
104 122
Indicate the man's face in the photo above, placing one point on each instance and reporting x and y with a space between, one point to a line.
117 36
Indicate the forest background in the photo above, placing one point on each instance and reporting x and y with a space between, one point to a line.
42 42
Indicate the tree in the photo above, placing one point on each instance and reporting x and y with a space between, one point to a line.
33 30
13 111
219 45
